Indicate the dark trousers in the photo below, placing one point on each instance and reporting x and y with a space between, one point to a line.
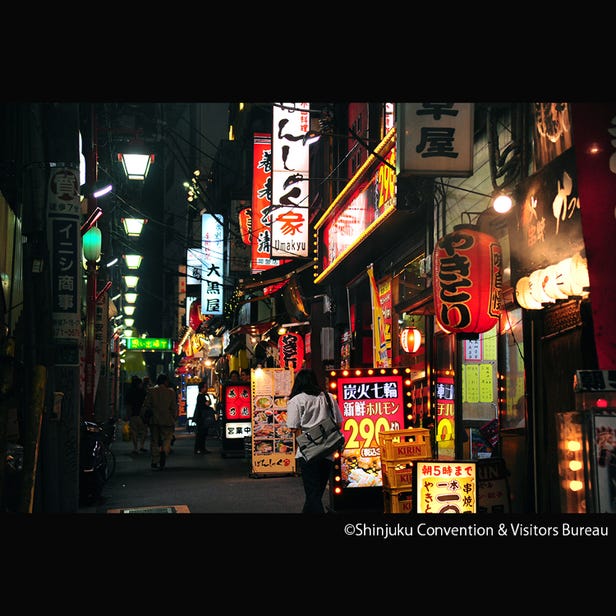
315 476
200 437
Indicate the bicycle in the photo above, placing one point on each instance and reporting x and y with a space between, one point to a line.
107 438
97 461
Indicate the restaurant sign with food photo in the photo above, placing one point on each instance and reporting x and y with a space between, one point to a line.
370 402
273 446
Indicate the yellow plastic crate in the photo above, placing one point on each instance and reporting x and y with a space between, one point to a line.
398 500
397 474
405 444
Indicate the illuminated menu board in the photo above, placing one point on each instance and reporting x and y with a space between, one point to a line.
371 400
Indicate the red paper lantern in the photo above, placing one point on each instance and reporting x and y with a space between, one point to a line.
194 316
291 351
245 223
467 280
410 339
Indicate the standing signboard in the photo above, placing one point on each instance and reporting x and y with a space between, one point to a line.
273 445
371 401
236 418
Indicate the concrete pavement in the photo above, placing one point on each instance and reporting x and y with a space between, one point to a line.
208 483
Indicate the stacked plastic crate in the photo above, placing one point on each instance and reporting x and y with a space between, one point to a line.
399 450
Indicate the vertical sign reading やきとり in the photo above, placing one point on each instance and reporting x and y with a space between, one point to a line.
435 139
65 250
291 137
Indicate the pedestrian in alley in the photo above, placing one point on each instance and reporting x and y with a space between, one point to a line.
135 395
306 407
161 406
204 419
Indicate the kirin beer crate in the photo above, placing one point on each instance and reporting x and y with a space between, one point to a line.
413 443
398 500
397 474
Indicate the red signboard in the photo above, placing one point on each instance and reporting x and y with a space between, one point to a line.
237 402
369 405
467 280
261 223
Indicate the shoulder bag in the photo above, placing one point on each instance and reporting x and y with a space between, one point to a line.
323 439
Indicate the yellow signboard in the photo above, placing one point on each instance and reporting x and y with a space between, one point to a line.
446 487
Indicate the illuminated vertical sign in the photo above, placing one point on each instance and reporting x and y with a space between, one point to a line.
445 418
379 338
291 136
212 239
194 265
261 225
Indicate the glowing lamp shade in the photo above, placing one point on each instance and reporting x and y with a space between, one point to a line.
130 298
467 279
410 339
136 166
133 262
552 280
129 310
524 297
92 244
131 281
537 287
133 226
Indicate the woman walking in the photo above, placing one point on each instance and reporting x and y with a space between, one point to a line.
306 407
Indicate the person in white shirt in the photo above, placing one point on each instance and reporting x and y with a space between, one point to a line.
306 407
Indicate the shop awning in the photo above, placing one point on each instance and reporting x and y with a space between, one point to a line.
253 329
274 275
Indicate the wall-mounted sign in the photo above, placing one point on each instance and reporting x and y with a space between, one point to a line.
435 139
548 227
194 266
212 240
261 216
291 137
148 344
365 203
65 250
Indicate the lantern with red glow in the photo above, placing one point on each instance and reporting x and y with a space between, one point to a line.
291 350
467 280
194 316
245 222
410 340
